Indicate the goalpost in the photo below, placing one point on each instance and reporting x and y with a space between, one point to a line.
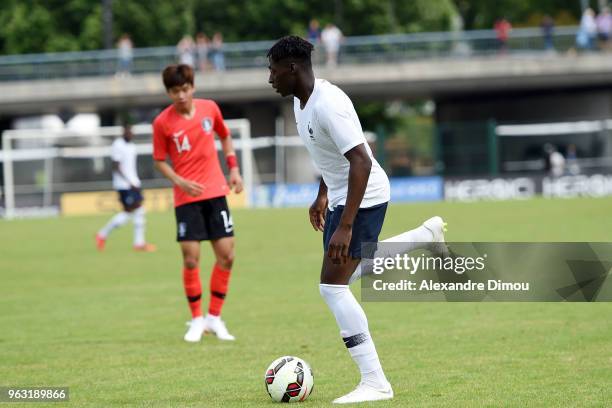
40 165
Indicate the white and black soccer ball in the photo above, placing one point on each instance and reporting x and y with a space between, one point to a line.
289 379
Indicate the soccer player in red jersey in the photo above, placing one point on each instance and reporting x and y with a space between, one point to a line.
183 132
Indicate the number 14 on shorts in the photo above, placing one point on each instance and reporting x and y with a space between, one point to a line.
227 221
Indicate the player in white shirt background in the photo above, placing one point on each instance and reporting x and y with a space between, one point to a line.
127 185
351 204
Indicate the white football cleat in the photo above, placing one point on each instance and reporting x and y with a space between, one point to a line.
365 393
437 227
196 329
214 324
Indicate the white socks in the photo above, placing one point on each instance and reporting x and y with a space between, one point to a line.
138 218
354 330
115 222
139 226
414 239
418 238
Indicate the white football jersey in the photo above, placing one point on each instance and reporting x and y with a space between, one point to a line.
125 154
329 127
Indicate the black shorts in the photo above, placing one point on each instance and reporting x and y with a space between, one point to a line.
130 199
366 227
204 220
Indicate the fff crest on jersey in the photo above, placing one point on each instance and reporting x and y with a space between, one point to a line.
207 124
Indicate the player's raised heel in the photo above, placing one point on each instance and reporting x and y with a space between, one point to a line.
196 329
365 393
437 227
214 324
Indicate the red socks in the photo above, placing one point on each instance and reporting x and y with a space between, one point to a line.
219 280
193 290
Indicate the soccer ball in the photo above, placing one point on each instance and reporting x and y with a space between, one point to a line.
289 379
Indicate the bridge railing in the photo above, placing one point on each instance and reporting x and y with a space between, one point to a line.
354 50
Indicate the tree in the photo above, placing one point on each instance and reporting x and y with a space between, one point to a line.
63 25
481 14
66 25
47 26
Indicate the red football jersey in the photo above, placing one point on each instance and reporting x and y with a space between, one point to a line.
190 143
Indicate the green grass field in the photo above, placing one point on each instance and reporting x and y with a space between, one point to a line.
110 325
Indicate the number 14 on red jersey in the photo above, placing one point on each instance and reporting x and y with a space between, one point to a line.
183 146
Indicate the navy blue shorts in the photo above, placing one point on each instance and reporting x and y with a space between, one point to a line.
366 227
130 199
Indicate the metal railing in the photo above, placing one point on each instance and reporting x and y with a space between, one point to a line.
354 50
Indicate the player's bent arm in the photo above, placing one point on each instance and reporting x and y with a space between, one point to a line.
235 180
227 145
117 169
322 189
190 187
230 154
167 171
359 173
316 212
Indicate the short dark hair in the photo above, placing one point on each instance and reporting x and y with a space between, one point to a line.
127 120
177 75
293 47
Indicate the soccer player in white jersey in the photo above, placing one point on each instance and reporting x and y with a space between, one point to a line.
127 184
351 203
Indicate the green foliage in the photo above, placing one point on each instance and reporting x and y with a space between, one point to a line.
408 133
92 31
373 113
61 25
481 14
425 15
27 28
153 23
47 26
53 25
